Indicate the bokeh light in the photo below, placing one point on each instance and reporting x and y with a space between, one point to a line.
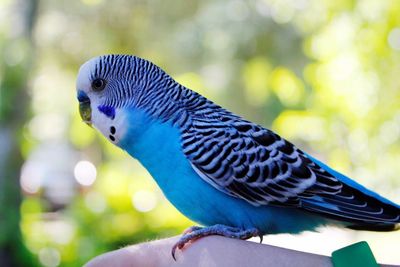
95 202
394 38
49 257
85 173
31 178
144 200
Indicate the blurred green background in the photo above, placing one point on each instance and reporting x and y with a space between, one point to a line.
323 74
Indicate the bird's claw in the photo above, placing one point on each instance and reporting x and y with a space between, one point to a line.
176 246
195 232
188 235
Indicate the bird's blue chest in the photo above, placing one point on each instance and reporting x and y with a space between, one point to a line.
157 146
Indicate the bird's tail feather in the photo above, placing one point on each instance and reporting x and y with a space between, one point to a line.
375 227
358 206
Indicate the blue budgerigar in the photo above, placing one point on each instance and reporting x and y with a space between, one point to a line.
230 175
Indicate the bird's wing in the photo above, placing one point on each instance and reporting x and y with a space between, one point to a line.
253 163
247 161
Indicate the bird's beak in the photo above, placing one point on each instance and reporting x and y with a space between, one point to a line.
84 108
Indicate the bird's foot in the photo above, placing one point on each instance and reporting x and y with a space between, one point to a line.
195 232
191 229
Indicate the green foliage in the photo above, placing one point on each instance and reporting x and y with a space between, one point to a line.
324 74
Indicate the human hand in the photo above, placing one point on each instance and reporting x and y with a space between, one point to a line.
207 251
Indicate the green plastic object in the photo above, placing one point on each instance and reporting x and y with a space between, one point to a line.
355 255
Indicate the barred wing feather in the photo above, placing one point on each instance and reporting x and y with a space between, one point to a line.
253 163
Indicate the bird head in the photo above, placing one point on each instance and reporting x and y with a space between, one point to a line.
108 85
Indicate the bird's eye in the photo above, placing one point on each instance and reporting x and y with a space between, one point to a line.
98 85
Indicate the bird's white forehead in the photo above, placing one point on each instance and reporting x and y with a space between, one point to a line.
83 80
